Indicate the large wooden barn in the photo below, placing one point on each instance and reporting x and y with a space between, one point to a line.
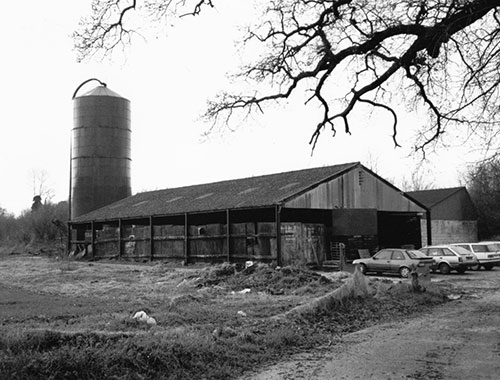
452 213
298 217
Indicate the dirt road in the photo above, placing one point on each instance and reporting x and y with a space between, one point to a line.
459 340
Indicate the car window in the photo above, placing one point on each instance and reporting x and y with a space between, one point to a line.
479 248
397 255
465 246
384 255
448 252
435 252
461 251
492 247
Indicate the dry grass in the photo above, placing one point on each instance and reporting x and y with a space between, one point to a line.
209 325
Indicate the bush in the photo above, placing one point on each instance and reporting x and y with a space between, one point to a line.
35 226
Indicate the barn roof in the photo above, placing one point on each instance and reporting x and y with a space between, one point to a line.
432 197
260 191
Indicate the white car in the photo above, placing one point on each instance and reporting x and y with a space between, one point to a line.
488 254
449 257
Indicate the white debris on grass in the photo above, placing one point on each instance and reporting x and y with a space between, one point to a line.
241 313
143 317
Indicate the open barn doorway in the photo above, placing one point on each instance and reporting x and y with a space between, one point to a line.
399 230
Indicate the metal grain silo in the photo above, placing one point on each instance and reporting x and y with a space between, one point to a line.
100 152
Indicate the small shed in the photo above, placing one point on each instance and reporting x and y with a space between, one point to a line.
298 217
453 215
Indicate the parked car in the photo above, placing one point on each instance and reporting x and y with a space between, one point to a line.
393 260
488 254
450 257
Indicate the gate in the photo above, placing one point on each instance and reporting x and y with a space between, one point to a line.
336 257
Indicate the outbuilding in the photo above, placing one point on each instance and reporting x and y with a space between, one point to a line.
452 212
308 216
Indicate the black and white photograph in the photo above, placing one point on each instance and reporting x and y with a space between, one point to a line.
250 190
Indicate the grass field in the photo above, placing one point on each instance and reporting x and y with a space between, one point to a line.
65 319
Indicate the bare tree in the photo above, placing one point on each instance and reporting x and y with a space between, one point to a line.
421 178
41 188
439 56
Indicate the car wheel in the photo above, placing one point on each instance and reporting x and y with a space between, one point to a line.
488 267
444 268
362 268
461 270
404 272
475 267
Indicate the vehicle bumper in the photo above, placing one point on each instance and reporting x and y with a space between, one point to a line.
494 262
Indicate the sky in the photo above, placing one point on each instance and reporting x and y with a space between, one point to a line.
168 79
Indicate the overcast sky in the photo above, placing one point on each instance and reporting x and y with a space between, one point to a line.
168 81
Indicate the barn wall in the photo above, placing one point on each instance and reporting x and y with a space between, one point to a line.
357 188
459 206
301 243
450 231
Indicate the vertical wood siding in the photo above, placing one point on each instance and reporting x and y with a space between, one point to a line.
355 189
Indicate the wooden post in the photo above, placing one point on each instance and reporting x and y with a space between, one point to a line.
186 239
151 239
228 236
92 238
120 233
429 227
278 235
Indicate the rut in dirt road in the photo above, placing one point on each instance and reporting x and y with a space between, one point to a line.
457 341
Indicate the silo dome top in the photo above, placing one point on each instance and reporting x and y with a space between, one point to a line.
102 91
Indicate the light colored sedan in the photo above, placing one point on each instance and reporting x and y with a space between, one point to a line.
394 260
449 257
488 254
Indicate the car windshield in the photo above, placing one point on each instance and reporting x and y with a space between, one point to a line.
414 254
461 251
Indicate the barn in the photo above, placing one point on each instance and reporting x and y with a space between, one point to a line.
452 212
308 216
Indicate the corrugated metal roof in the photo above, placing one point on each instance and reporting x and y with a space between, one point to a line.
432 197
260 191
101 91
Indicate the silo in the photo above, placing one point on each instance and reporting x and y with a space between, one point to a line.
100 152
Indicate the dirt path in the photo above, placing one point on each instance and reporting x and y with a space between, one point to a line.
459 341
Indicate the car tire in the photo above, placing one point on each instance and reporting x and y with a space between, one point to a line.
475 267
444 268
362 268
488 267
404 272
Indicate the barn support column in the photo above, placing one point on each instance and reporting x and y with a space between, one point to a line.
151 239
228 236
186 239
429 227
92 238
278 234
120 236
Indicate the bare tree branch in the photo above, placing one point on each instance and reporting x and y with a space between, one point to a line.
444 55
